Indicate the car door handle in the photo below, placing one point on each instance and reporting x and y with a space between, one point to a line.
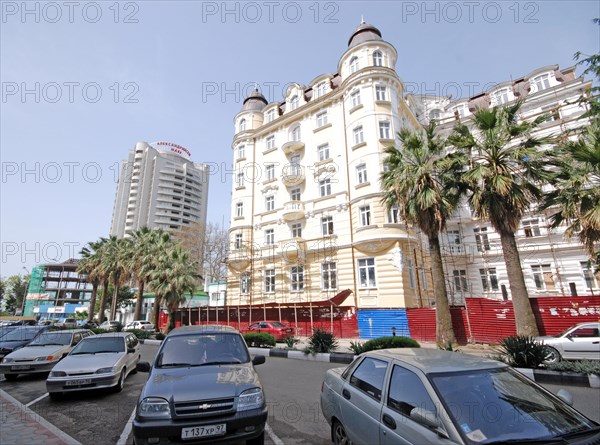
595 342
346 394
389 422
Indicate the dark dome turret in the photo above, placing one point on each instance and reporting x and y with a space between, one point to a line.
364 33
254 102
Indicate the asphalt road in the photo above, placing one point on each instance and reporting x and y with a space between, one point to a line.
292 389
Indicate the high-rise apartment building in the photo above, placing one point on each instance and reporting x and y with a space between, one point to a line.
159 187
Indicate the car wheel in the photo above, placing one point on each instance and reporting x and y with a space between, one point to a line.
134 370
10 377
55 395
339 434
553 356
121 383
260 440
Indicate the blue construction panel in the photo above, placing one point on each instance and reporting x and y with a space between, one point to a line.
374 323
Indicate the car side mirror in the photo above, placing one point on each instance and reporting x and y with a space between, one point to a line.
565 396
143 367
425 417
130 350
258 360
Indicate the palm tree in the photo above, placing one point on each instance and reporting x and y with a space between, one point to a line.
577 188
103 277
90 265
417 181
141 262
114 264
162 244
504 175
176 276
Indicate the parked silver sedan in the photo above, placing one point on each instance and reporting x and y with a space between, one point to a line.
101 361
579 342
425 396
40 356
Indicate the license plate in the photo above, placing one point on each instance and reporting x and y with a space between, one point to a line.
20 367
203 431
78 382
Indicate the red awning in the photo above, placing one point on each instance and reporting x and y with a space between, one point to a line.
340 297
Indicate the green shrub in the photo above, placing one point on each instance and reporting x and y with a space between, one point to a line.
389 342
356 347
322 342
140 333
582 366
290 342
448 347
522 351
160 336
259 339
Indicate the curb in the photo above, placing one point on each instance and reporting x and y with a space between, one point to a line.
561 377
334 357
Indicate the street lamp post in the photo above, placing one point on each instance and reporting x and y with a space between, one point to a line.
26 291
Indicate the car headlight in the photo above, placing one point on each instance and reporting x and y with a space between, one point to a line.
58 374
46 358
251 399
155 408
7 360
106 370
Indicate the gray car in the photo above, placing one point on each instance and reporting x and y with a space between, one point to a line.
579 342
202 388
101 361
40 356
424 396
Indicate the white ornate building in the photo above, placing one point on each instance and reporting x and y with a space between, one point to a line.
307 219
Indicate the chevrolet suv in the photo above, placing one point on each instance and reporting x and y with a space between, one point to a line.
201 388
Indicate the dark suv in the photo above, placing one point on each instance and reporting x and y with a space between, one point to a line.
202 388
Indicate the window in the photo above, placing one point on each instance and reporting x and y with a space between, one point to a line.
295 134
460 280
238 240
328 276
269 281
243 125
297 230
364 214
324 187
295 195
531 227
297 278
271 115
368 377
588 275
327 225
353 64
270 142
241 152
455 241
323 151
361 173
380 92
239 209
542 275
407 392
541 82
355 98
459 110
394 215
489 281
384 130
500 97
411 273
584 332
239 180
294 102
481 239
358 135
435 114
320 89
245 283
270 171
423 277
377 58
366 272
269 203
321 119
269 237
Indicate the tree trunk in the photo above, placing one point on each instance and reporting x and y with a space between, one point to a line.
524 318
113 306
101 315
93 301
171 324
155 311
444 332
139 301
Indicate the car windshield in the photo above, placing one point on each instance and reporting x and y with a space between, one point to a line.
20 334
97 345
501 405
202 349
52 338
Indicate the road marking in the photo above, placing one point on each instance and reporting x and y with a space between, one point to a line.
36 400
126 430
276 440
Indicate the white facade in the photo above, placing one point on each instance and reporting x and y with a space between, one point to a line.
159 188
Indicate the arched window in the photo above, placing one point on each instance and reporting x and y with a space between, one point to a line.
320 89
377 58
295 134
294 102
353 64
435 114
243 125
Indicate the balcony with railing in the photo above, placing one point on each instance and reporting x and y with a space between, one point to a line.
293 175
293 211
292 249
292 147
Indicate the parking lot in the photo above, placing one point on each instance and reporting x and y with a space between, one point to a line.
292 388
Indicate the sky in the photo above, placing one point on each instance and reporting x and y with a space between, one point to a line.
82 82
